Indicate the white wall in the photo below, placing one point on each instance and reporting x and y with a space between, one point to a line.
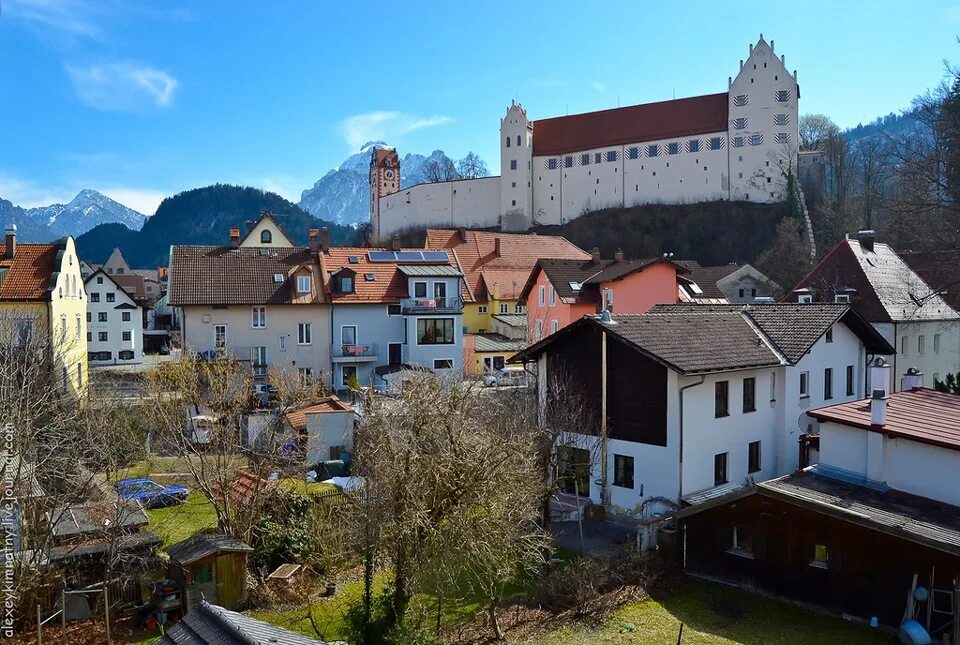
325 430
472 203
930 362
115 326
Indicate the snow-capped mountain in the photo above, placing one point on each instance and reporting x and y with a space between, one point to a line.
343 194
85 211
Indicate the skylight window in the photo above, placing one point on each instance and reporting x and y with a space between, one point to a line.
694 287
575 286
354 259
278 277
369 277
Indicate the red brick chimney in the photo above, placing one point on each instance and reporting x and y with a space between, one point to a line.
396 242
595 255
325 239
11 241
314 235
463 234
618 256
497 247
235 237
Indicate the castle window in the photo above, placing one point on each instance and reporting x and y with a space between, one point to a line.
781 119
782 137
740 100
740 124
597 158
673 148
551 164
653 150
693 145
508 142
756 139
737 142
513 164
782 96
568 162
518 139
634 152
513 202
585 159
716 143
513 184
266 237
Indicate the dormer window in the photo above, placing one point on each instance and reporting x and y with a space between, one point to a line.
303 284
266 237
346 283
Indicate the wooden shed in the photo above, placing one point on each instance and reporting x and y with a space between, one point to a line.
211 567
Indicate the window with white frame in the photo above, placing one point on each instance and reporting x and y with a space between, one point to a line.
443 363
936 343
348 335
805 298
482 309
219 336
259 317
920 343
518 308
259 361
79 326
842 297
904 344
804 384
542 295
539 335
553 296
102 336
126 336
125 316
304 336
554 326
283 343
303 284
504 308
101 316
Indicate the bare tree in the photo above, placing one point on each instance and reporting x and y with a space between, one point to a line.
815 129
472 167
436 171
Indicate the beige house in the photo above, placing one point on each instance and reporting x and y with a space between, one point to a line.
259 299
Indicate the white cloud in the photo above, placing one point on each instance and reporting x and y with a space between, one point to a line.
72 18
600 87
143 200
28 194
384 126
123 86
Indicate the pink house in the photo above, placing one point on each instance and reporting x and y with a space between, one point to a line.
559 292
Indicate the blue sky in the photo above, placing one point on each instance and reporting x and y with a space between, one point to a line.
141 100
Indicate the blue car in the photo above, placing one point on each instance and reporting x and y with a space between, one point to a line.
150 493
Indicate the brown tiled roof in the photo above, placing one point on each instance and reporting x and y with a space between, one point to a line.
29 273
222 275
389 284
518 255
562 272
921 415
133 284
708 277
298 418
940 270
633 124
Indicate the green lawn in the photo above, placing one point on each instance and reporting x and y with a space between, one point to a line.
175 523
714 614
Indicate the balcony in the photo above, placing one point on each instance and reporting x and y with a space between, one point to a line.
364 353
448 305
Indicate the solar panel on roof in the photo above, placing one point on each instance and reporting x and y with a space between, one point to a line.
435 255
381 256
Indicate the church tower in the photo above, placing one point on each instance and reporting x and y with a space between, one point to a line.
384 180
516 169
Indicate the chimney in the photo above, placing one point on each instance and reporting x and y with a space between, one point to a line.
496 247
235 237
396 242
463 234
325 239
879 375
618 256
867 238
595 255
912 380
11 241
878 408
314 234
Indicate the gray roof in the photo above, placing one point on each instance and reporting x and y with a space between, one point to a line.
512 320
918 519
213 625
429 270
204 544
91 518
125 543
496 343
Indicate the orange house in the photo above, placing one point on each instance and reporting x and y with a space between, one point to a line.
559 292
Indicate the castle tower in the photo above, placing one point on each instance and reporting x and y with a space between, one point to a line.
384 180
516 169
763 129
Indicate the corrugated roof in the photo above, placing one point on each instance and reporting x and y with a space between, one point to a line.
920 415
633 124
28 275
213 625
91 518
203 544
429 270
496 343
512 320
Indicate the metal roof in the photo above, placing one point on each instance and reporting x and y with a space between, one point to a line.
496 343
429 270
200 546
213 625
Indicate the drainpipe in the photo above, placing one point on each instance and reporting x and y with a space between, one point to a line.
603 419
680 469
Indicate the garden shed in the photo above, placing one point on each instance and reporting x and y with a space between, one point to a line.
211 567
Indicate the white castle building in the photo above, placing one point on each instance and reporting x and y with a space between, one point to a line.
737 145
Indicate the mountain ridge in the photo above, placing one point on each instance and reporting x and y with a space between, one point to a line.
88 209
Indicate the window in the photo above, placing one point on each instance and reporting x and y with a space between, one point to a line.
125 336
539 330
804 384
828 383
79 325
348 373
805 298
125 316
773 386
693 145
653 150
755 139
850 388
508 142
518 139
266 237
841 297
820 556
348 335
101 316
781 119
94 297
720 469
673 148
346 283
283 343
903 346
920 343
749 394
89 336
518 308
89 316
554 326
259 317
936 343
829 335
740 124
102 336
740 100
623 471
303 284
504 308
716 143
737 142
304 336
435 331
585 159
482 309
782 96
542 295
99 279
720 396
781 137
568 162
633 153
125 354
111 297
753 457
419 289
741 293
443 364
551 164
219 336
553 296
742 543
611 155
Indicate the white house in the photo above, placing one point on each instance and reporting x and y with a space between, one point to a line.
734 145
700 398
114 322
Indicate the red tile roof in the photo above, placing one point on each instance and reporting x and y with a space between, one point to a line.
298 418
633 124
28 273
519 253
389 284
921 414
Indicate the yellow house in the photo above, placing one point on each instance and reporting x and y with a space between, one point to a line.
42 301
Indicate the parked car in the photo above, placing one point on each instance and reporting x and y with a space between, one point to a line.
506 377
150 493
